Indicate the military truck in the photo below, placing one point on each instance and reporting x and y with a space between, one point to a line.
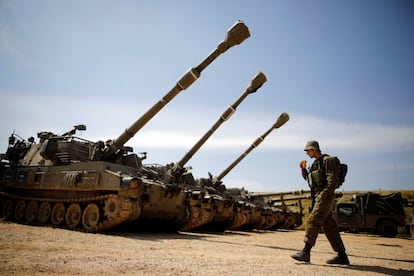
371 212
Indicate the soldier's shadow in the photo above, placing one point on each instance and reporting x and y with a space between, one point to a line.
376 269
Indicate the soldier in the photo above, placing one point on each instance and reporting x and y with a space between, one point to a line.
323 179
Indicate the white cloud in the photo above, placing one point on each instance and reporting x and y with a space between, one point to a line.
342 135
172 128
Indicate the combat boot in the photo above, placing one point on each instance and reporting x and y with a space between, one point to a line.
304 254
341 259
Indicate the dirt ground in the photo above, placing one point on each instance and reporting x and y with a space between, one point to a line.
31 250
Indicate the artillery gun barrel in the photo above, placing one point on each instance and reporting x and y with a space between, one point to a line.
278 194
283 118
235 35
255 84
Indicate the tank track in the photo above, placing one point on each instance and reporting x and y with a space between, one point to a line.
198 217
87 214
270 221
259 223
240 219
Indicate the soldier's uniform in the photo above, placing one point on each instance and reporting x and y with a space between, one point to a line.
323 177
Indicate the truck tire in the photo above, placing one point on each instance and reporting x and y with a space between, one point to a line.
387 228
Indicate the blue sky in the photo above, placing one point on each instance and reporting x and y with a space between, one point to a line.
342 70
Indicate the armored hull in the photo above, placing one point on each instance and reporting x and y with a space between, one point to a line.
84 195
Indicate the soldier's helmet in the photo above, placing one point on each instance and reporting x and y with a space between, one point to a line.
312 144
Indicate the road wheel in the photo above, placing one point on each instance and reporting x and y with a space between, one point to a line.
112 207
20 210
31 211
289 221
44 212
90 217
58 213
7 209
387 228
73 215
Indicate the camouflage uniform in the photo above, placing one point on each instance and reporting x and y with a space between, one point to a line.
324 182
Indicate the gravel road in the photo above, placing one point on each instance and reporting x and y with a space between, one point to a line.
31 250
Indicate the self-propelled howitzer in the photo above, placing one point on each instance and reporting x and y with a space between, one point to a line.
243 209
165 206
70 182
201 208
199 204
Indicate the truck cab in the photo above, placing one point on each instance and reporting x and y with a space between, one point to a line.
371 212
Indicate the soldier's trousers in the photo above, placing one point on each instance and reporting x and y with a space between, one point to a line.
321 216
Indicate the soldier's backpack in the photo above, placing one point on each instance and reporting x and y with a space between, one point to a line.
343 170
